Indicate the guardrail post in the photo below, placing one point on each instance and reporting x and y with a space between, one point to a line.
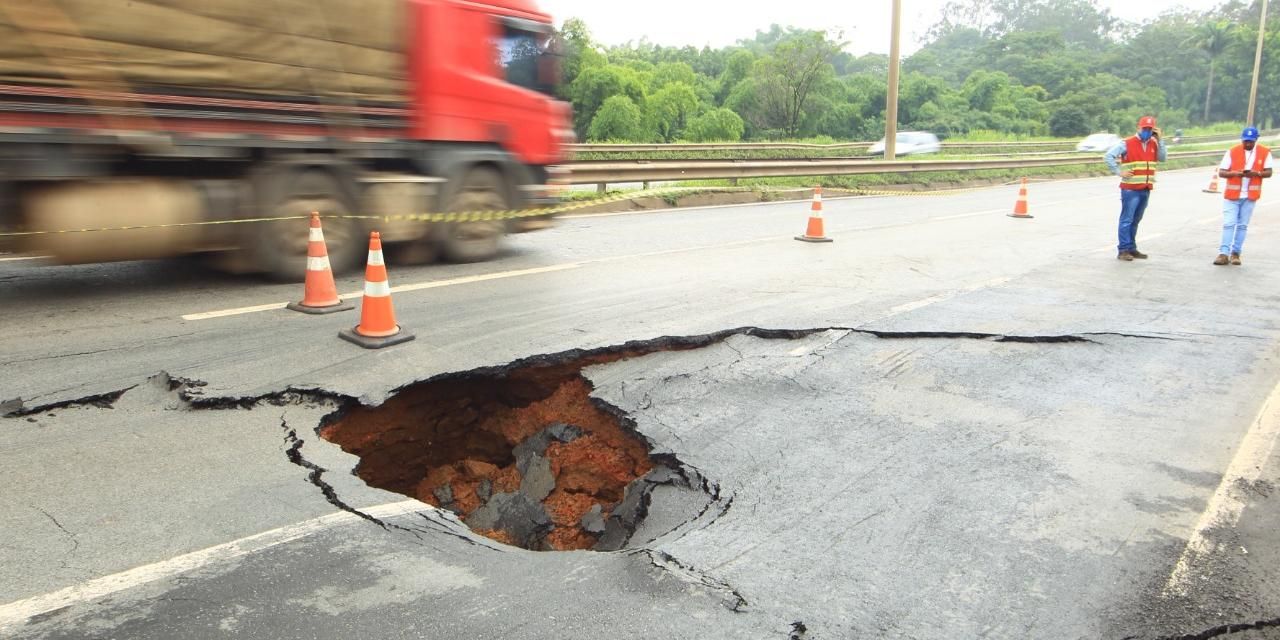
644 185
602 187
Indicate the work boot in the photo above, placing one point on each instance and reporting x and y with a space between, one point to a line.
1235 259
1125 255
1138 254
1221 259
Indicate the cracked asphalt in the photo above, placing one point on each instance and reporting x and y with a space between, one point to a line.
946 424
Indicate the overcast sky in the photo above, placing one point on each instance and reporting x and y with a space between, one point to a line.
723 22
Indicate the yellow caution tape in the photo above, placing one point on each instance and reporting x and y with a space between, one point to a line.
493 215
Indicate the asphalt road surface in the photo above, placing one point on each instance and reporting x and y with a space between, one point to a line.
945 424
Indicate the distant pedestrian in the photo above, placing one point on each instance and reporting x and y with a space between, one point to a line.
1135 160
1244 166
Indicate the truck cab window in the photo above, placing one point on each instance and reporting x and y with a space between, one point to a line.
524 58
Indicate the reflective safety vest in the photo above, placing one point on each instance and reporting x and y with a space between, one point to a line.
1141 159
1234 185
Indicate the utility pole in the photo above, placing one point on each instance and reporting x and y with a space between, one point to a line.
891 106
1257 66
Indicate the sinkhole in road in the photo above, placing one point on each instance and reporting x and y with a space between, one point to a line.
523 455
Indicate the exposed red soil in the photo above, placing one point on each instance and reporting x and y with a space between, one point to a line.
460 434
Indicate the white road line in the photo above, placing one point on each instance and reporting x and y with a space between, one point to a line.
1228 501
941 297
234 312
17 258
17 613
207 315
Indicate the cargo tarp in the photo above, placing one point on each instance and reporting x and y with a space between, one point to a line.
349 49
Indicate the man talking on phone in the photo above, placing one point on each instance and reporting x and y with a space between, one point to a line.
1135 160
1244 166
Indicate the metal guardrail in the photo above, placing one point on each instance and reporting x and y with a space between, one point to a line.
798 146
604 172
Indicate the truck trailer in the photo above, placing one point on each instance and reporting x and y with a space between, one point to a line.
188 120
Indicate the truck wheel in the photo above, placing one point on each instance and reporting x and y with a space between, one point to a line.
481 190
280 248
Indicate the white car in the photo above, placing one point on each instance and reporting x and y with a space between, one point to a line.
1098 142
909 143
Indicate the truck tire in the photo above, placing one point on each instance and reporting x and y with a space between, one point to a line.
280 248
482 189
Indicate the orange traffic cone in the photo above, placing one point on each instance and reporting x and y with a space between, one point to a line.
1213 184
319 294
814 232
1020 208
377 326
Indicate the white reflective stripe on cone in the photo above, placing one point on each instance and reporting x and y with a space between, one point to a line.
817 197
317 234
377 289
318 264
375 258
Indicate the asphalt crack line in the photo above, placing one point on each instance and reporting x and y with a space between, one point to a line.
75 541
670 564
315 476
1227 629
19 612
1228 502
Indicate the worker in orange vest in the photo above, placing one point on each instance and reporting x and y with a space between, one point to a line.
1140 155
1244 166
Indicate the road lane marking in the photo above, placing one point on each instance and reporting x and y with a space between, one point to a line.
941 297
207 315
234 312
17 613
1228 501
17 258
223 313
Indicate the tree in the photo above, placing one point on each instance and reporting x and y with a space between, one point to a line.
596 84
717 125
1212 38
579 51
669 109
790 74
735 70
1068 121
670 72
618 120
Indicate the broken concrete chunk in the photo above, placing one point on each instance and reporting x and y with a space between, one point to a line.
615 536
537 443
663 475
538 483
565 432
593 520
11 406
444 493
523 519
635 502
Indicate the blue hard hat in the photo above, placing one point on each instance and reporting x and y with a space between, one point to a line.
1249 133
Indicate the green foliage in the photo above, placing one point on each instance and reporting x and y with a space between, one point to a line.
595 85
1069 120
718 125
618 120
668 110
1017 68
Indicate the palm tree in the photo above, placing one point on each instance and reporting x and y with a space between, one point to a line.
1211 37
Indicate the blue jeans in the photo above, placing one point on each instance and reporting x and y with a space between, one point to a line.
1132 205
1235 224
